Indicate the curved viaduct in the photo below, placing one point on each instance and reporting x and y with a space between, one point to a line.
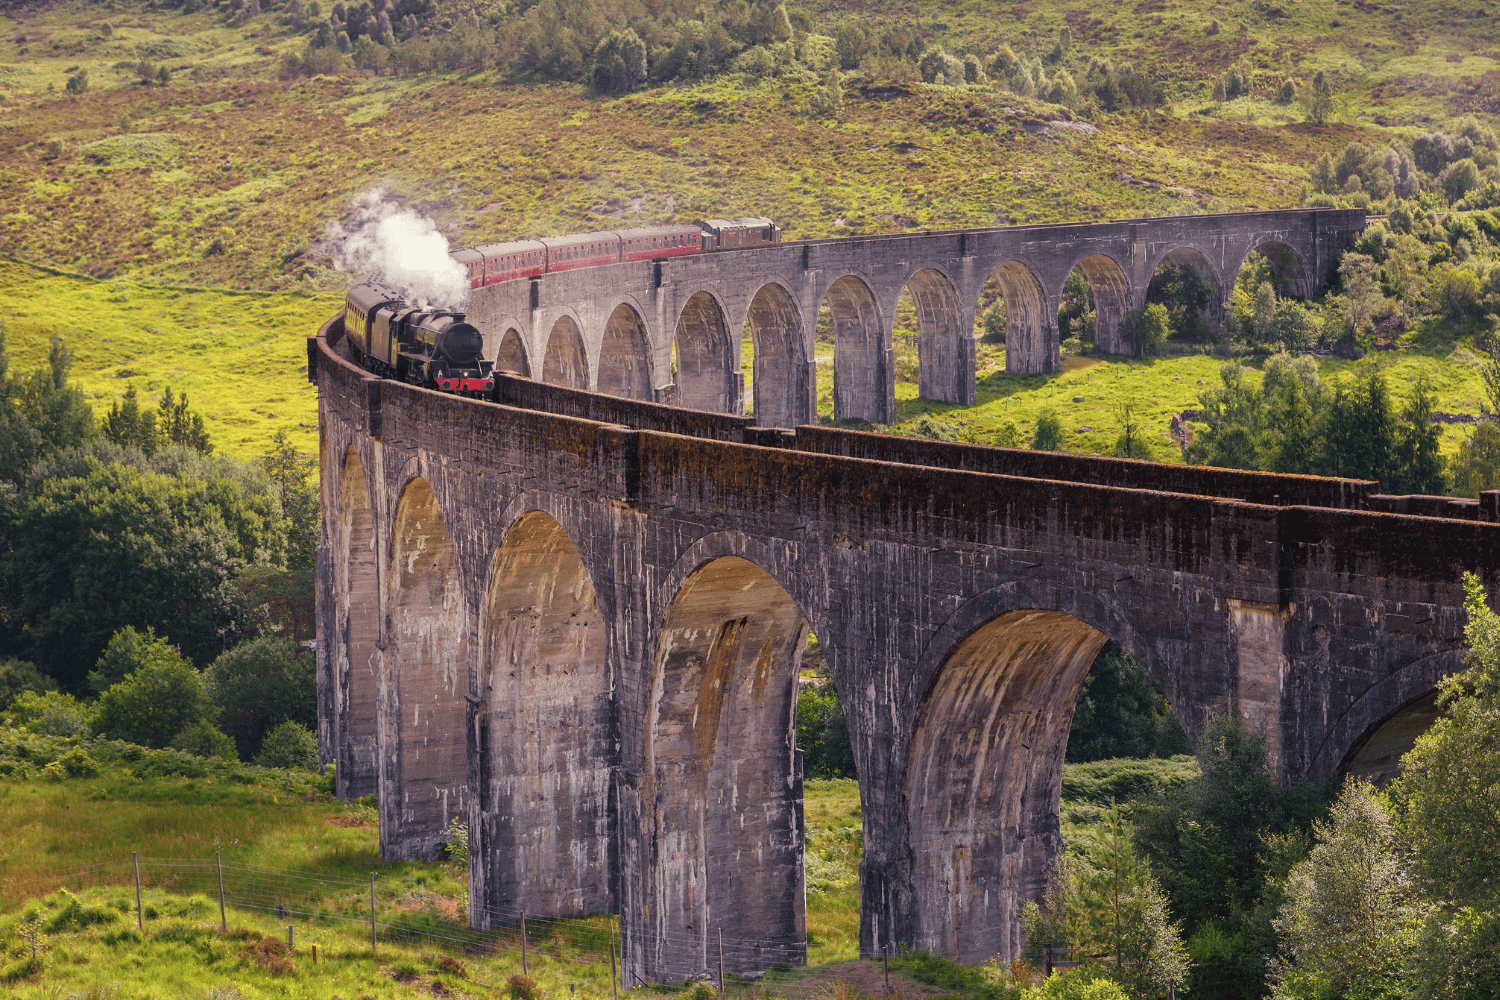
613 328
575 621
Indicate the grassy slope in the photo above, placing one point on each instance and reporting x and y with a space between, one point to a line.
231 182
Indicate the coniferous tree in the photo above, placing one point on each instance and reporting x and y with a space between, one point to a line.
1418 466
127 425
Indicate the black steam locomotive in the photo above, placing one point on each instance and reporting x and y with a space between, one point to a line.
428 347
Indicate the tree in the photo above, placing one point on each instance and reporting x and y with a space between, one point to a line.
17 676
1110 907
127 652
619 62
1318 98
291 472
1418 466
151 706
1476 467
78 83
290 745
180 426
1346 923
1362 299
1460 177
50 713
1147 328
40 414
113 545
1130 443
128 425
1049 433
260 684
1358 428
1121 713
204 739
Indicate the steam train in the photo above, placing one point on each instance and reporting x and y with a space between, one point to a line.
436 348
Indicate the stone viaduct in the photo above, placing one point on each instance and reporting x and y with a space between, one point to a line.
613 329
575 619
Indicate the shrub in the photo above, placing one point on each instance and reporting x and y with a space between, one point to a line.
457 847
204 739
520 987
290 745
50 714
1460 178
127 652
1049 433
154 704
260 684
1076 984
18 676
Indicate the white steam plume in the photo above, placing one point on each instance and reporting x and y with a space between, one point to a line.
400 248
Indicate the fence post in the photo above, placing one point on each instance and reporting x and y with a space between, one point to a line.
885 960
372 912
140 917
525 968
721 961
291 937
614 982
223 918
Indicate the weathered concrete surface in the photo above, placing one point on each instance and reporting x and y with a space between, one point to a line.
649 329
589 618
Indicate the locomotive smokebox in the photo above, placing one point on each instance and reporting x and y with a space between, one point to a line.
461 344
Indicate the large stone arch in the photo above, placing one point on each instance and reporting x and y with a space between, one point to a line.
542 735
986 755
1112 299
727 782
779 382
1387 697
426 770
1288 261
707 368
945 343
624 355
566 362
1190 256
864 386
511 355
357 676
1030 333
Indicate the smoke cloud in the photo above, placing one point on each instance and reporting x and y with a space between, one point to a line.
401 248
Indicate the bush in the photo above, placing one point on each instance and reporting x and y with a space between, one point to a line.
204 739
1076 984
520 987
290 745
50 713
127 652
1049 433
18 676
154 704
260 684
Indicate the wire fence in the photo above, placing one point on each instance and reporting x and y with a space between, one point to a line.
415 918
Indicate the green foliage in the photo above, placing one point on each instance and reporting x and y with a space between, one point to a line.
17 676
50 713
823 733
40 413
1318 99
1049 433
172 424
290 745
619 62
1108 904
1219 845
1121 713
1348 918
204 739
260 684
78 83
103 546
1076 984
155 703
1148 327
75 915
456 845
127 652
1476 467
1127 780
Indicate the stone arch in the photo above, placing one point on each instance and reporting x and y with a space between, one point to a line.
986 754
624 358
864 386
566 362
1112 299
427 766
945 344
511 356
779 381
542 742
1379 702
727 781
707 368
357 684
1030 334
1377 757
1191 256
1288 262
